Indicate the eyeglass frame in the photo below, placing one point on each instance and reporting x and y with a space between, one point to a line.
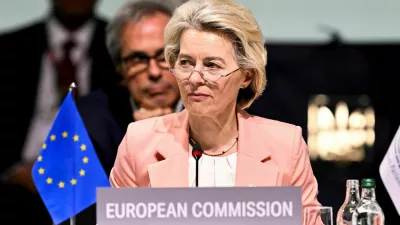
147 61
202 75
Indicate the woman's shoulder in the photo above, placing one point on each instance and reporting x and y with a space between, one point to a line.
278 130
275 125
148 126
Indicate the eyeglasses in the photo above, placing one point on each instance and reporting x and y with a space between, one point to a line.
209 75
139 61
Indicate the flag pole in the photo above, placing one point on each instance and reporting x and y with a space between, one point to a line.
72 87
72 220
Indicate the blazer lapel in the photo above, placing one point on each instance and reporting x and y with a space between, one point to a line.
254 165
172 152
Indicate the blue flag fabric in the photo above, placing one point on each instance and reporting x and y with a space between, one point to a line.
67 170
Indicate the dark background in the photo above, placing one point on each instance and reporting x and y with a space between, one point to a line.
298 71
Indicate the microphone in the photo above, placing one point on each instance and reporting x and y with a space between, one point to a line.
197 152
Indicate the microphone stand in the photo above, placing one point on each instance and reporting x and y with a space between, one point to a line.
197 152
197 171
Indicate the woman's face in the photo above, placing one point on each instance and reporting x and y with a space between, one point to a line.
205 92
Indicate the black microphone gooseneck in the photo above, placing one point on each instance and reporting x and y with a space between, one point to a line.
197 152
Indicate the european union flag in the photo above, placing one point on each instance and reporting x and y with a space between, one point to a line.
67 171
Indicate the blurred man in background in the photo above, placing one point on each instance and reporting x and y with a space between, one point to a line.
135 42
37 64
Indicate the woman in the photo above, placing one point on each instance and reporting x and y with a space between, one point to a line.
216 51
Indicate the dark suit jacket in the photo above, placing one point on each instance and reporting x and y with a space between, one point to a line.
106 115
20 63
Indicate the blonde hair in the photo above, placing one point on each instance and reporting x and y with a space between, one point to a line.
231 20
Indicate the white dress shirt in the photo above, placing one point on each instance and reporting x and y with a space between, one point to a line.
47 99
213 171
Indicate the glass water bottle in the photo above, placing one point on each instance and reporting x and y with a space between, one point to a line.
350 203
368 211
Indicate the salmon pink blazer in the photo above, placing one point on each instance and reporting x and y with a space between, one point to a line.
154 153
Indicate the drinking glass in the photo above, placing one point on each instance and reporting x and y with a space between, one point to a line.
318 215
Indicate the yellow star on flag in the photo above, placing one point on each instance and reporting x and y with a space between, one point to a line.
41 171
85 159
49 180
44 146
53 137
73 181
82 173
65 134
40 158
61 184
76 138
83 147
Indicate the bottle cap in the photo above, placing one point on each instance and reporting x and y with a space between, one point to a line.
352 183
368 183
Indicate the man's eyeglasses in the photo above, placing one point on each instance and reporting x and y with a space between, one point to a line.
140 61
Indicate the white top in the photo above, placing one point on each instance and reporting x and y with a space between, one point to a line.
213 171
